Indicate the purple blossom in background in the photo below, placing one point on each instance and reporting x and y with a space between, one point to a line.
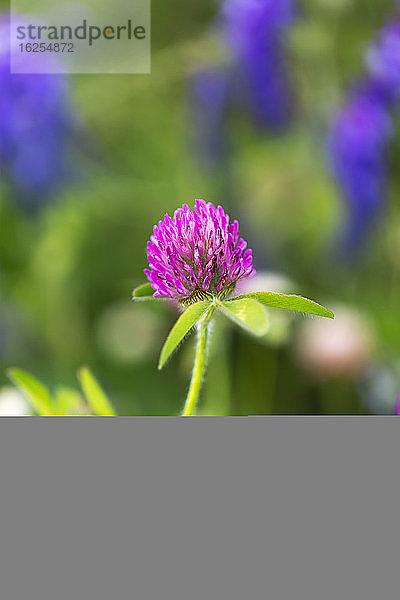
209 91
35 124
196 253
398 406
254 31
360 135
383 62
357 149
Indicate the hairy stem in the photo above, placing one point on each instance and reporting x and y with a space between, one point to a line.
199 365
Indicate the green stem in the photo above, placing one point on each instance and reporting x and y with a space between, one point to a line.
199 364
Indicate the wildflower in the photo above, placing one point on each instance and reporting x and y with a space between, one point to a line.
209 97
197 258
383 61
197 254
357 146
360 135
35 124
255 75
254 31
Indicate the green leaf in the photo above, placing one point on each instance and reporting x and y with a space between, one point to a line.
67 400
289 302
143 292
94 394
35 392
246 313
184 324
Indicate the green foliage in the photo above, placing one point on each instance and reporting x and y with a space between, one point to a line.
248 314
143 292
68 401
65 401
247 311
94 394
35 392
182 326
289 302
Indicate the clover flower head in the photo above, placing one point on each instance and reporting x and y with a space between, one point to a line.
197 254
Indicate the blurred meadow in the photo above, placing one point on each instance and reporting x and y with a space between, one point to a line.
300 144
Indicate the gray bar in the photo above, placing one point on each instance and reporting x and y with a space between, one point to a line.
200 508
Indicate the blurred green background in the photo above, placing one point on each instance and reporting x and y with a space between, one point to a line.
66 275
